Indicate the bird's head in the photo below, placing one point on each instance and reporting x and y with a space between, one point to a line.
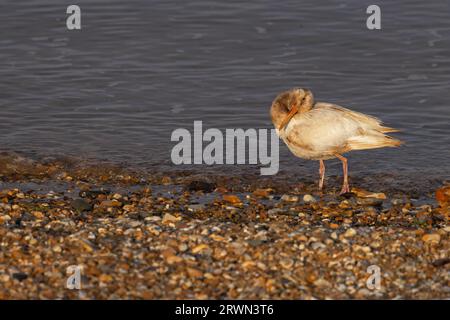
287 104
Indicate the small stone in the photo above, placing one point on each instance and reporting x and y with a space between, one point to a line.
220 253
321 283
129 208
81 205
363 293
168 218
345 204
425 208
117 196
263 193
19 276
376 244
369 202
57 249
153 219
147 295
397 202
170 257
167 253
216 237
334 225
4 278
201 296
318 245
350 233
86 244
256 242
347 195
203 186
5 206
194 273
307 198
38 214
196 207
110 203
289 198
93 194
274 211
261 265
443 196
221 189
200 248
248 264
129 232
360 193
286 263
166 180
105 278
423 216
432 238
231 198
441 262
5 218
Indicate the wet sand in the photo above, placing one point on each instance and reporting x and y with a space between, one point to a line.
185 235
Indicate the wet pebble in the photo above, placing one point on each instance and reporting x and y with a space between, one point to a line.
317 245
287 263
81 205
20 276
367 194
350 233
196 207
432 238
203 186
263 193
307 198
443 196
231 199
289 198
370 202
274 211
168 218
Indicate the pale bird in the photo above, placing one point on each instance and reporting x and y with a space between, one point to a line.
321 131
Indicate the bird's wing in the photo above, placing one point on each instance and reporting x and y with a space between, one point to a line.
331 128
321 129
367 122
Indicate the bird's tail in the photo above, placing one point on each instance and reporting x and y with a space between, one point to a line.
373 141
385 129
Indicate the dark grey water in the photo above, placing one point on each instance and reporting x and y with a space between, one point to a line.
139 69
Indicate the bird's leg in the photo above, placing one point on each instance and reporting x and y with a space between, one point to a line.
322 174
345 186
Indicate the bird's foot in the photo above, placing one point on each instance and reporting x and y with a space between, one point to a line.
345 189
320 186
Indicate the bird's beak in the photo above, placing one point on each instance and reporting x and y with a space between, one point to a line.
288 118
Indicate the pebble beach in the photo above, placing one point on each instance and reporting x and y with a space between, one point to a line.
143 235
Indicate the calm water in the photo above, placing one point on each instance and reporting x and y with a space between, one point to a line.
139 69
